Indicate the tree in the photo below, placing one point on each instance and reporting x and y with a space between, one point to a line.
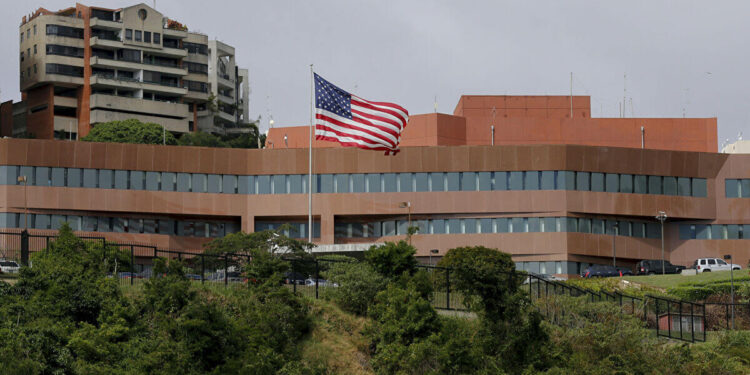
200 139
392 259
130 131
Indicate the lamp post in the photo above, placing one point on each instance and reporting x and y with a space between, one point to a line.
662 216
407 205
731 277
25 203
433 251
615 228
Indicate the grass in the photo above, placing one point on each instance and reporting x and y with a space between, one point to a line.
670 281
336 342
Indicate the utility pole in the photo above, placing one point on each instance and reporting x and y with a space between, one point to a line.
662 216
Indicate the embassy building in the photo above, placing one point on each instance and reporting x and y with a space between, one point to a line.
534 176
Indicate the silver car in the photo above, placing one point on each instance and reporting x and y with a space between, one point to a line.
9 266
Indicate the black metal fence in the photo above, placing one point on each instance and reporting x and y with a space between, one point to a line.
132 263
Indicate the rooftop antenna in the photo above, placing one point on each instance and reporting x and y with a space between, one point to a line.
435 103
632 111
624 92
571 95
739 136
492 127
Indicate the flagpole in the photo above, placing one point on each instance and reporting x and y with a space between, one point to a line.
309 159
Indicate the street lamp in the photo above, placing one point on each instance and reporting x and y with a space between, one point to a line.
25 203
433 251
615 228
662 216
731 276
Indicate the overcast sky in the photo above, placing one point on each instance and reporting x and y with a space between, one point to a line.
679 56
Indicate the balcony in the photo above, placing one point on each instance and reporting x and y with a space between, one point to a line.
165 51
105 43
224 80
101 62
173 125
106 24
62 101
226 99
149 107
175 33
103 80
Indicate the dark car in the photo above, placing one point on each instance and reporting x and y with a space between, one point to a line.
653 267
294 278
605 271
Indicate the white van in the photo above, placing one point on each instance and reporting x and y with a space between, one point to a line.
713 264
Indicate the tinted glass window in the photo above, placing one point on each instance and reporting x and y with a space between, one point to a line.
584 225
105 224
699 187
468 181
121 180
548 180
500 181
295 183
106 179
745 188
518 224
501 225
246 184
638 230
437 226
670 185
640 184
264 184
342 183
626 183
422 181
453 226
485 225
90 178
612 182
437 181
549 224
624 228
485 181
515 181
597 226
683 186
453 181
389 228
531 180
358 183
214 183
654 185
29 173
373 183
229 184
168 181
566 180
152 181
733 232
390 183
653 230
405 182
583 181
534 224
58 176
597 181
183 182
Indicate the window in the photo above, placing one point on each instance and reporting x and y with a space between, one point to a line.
437 181
745 188
168 181
683 186
373 183
128 34
670 185
35 49
200 49
531 180
699 187
214 183
153 181
583 181
105 178
279 184
66 70
264 184
389 183
453 181
468 181
358 182
21 55
422 182
500 181
515 181
70 32
548 180
612 183
597 181
21 36
147 37
138 35
34 29
640 184
196 68
342 183
732 188
485 181
157 38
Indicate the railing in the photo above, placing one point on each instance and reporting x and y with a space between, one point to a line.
118 78
161 63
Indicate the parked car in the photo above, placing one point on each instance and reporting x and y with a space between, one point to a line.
294 278
192 276
714 264
9 266
321 282
598 270
128 275
653 267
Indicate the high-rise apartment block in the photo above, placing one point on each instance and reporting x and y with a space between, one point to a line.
83 65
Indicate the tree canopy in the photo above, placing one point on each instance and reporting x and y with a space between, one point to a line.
130 131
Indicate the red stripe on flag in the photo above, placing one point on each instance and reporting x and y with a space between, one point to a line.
374 108
379 136
378 118
366 144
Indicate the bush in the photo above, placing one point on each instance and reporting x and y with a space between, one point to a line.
358 283
392 259
130 131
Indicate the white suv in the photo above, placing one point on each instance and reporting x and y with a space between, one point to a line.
9 266
713 264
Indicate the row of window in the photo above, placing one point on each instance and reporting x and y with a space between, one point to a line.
28 33
353 183
142 36
714 231
197 68
737 188
196 48
195 86
56 49
636 229
291 230
66 31
121 224
66 70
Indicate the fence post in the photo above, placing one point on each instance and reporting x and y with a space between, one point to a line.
726 315
692 323
656 310
704 322
226 270
317 276
447 288
132 264
25 248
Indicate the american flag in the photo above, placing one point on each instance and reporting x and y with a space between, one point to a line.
355 122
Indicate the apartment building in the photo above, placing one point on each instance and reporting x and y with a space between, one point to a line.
84 65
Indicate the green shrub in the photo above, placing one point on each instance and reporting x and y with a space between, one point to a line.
130 131
358 283
392 259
